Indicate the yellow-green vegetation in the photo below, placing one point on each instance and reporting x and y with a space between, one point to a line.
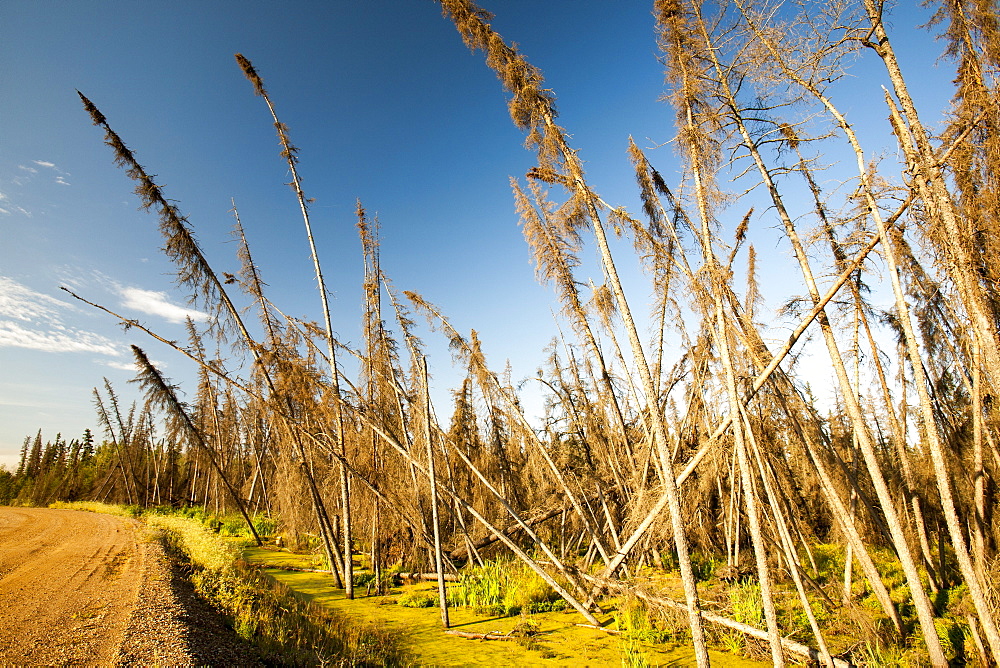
120 510
552 638
746 606
299 616
231 524
204 549
879 645
641 626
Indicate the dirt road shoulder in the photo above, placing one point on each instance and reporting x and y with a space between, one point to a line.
86 588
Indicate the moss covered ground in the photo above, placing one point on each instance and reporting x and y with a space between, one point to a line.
554 638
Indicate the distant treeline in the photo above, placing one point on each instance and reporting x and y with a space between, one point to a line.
81 469
53 470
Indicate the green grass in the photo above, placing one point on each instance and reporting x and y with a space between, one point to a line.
747 604
201 546
232 525
638 623
417 599
504 588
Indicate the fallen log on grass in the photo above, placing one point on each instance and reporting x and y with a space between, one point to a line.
600 628
786 643
281 567
480 636
448 577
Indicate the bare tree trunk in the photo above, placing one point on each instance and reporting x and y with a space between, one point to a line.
289 153
438 561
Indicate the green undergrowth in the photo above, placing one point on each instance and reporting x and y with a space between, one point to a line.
641 626
231 525
496 589
878 644
855 627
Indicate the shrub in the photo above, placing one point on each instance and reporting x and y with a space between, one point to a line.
640 624
747 603
703 566
417 599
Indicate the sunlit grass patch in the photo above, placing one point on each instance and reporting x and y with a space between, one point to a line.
201 546
98 507
636 623
545 638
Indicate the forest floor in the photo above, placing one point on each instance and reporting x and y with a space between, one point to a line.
556 638
85 588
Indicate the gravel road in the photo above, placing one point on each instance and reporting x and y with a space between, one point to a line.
80 588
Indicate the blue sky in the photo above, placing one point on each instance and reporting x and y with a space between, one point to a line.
385 103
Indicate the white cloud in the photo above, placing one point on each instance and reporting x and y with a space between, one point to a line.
30 170
13 335
115 364
128 365
33 320
4 211
36 321
7 402
22 303
70 277
157 303
61 178
3 197
86 280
